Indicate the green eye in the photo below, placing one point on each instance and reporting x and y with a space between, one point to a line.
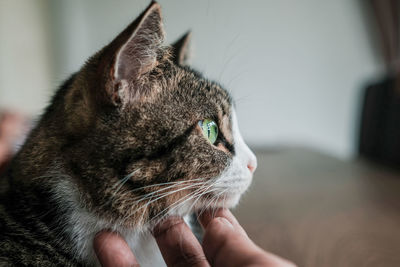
209 129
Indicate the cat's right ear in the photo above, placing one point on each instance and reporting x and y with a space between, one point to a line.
137 50
180 49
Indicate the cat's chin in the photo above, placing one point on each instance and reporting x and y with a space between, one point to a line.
227 200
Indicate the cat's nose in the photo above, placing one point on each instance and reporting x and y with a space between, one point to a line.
252 165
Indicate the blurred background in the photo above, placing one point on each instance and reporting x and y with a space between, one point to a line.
296 68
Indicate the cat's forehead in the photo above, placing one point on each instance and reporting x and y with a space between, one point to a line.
205 91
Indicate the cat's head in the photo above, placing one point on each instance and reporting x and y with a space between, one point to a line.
148 136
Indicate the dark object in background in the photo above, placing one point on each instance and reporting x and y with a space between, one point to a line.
380 123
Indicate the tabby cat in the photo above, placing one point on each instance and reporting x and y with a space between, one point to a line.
132 137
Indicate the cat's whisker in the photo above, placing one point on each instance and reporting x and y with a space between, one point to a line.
160 192
168 187
146 196
176 183
119 183
195 201
126 178
205 192
177 204
161 214
197 193
205 206
156 199
167 194
159 197
123 180
166 183
164 194
224 201
215 207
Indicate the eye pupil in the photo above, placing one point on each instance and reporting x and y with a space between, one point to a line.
209 129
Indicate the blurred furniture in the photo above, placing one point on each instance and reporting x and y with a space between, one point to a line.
380 123
317 210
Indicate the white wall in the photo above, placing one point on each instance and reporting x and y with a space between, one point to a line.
25 65
295 67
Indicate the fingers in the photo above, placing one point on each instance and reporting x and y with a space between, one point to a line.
178 245
208 216
225 243
112 250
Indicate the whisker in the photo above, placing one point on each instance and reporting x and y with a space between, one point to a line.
166 194
158 198
176 203
163 189
151 194
127 177
166 183
197 193
216 201
119 183
124 180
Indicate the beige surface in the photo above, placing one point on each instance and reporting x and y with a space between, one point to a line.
318 211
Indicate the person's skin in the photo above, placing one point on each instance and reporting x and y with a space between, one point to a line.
12 128
225 243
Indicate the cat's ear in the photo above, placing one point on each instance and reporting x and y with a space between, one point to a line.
138 49
180 48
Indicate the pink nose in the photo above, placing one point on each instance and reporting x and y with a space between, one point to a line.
252 166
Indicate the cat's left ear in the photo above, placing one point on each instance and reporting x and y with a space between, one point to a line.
180 49
138 49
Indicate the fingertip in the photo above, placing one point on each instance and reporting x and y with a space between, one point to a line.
112 250
206 217
177 243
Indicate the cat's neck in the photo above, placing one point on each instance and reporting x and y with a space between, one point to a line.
63 218
81 226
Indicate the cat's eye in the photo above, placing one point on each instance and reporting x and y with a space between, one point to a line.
209 129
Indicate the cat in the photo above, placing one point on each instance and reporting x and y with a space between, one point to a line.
132 137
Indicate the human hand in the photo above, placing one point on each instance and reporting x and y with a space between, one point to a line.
225 243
